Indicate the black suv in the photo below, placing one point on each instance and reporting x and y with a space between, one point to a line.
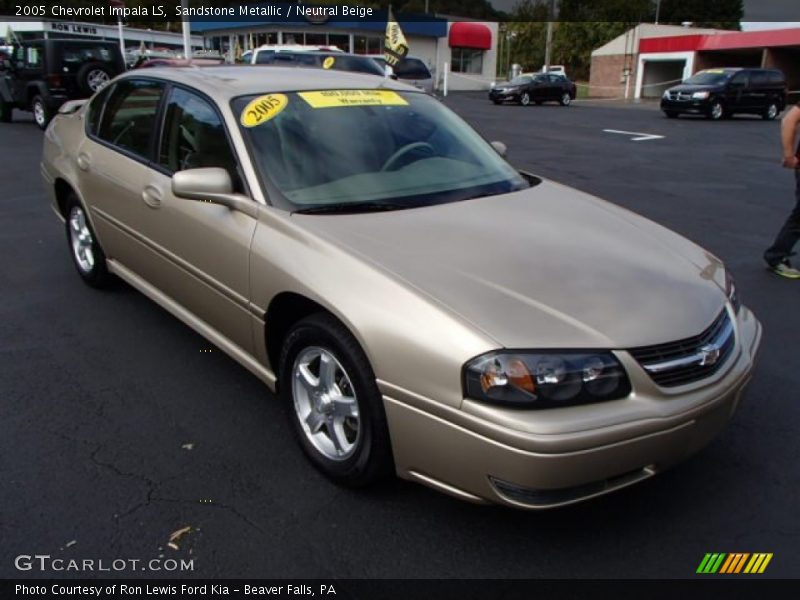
721 93
41 75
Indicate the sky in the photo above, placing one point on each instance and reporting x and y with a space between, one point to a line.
754 10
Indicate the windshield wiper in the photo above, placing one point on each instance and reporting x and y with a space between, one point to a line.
352 207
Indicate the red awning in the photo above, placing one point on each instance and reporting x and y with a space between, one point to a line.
470 35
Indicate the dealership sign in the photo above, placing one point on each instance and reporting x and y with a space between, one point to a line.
76 28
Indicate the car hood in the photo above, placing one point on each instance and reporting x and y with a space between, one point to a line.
547 267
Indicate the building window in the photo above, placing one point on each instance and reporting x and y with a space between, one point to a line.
340 41
363 44
466 60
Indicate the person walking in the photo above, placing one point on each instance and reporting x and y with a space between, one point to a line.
777 255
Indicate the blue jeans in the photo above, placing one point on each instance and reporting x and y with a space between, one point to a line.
789 234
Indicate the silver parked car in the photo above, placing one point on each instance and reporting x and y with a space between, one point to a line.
422 307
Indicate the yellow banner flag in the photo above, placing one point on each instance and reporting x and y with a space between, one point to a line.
395 44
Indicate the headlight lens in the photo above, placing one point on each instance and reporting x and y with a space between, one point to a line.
665 94
730 291
545 379
700 95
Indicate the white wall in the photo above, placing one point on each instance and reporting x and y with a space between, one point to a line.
662 56
468 81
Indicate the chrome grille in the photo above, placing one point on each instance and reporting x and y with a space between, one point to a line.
680 96
689 360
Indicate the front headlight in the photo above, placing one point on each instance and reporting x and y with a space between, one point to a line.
665 95
730 291
548 379
700 95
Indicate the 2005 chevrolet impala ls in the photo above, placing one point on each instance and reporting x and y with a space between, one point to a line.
421 307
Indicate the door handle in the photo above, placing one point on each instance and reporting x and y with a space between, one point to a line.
84 162
152 196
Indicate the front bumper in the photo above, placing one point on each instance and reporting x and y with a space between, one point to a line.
495 95
486 463
697 107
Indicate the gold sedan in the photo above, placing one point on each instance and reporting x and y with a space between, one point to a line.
422 307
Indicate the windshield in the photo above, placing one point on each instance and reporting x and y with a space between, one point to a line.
522 80
374 148
708 78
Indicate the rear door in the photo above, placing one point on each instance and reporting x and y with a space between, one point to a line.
113 163
737 91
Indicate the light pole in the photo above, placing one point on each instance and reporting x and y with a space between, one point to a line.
658 10
548 45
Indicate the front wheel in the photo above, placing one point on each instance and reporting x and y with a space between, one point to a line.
525 99
671 114
85 250
771 112
496 101
41 114
334 404
716 111
566 99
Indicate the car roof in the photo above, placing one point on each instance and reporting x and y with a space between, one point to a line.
226 82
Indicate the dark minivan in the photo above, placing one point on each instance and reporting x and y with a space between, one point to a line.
42 75
721 93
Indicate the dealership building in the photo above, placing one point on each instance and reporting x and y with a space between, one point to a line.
28 30
648 59
468 49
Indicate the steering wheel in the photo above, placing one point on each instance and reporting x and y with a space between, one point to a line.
400 152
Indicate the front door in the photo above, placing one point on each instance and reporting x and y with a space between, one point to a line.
200 252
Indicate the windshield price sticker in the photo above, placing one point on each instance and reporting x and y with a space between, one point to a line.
333 98
262 109
328 62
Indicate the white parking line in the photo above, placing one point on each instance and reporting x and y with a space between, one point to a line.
637 136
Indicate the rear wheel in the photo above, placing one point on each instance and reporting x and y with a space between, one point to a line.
334 404
671 114
566 99
771 112
41 114
525 99
87 255
5 112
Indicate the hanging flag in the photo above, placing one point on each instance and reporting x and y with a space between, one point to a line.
11 37
395 44
142 49
237 52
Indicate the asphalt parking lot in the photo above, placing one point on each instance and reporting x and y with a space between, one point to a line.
120 425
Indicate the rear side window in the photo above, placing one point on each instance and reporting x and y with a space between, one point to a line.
412 68
356 64
776 78
74 56
96 110
130 114
265 57
758 78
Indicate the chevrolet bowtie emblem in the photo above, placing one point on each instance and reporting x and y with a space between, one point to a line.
709 355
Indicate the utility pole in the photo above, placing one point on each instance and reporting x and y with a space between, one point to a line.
186 29
658 10
548 47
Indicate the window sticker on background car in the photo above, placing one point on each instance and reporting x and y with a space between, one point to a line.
332 98
262 109
328 62
714 71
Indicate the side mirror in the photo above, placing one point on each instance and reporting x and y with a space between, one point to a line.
211 185
500 148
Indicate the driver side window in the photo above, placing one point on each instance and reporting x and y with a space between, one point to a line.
130 114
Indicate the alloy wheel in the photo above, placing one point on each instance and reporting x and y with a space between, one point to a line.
39 114
81 240
566 99
96 79
325 403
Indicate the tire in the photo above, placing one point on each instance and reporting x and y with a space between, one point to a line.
566 99
5 112
92 77
361 454
538 102
86 252
497 101
716 111
771 112
41 114
671 114
525 99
